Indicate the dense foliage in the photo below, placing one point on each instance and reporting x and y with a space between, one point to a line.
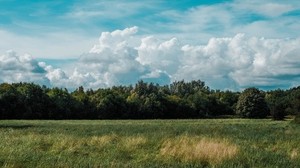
252 104
143 101
297 119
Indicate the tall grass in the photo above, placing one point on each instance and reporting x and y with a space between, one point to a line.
150 143
197 149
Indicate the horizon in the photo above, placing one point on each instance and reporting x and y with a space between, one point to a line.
230 45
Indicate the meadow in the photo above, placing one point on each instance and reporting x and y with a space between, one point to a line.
149 143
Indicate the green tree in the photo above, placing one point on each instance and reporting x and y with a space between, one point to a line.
34 100
176 107
145 101
63 104
109 104
10 103
295 103
277 104
252 104
226 101
185 89
152 106
82 104
199 102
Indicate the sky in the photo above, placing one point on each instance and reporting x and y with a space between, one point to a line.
98 43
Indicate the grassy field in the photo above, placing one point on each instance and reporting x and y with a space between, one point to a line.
150 143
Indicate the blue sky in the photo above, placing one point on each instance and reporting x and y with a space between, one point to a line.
228 44
28 16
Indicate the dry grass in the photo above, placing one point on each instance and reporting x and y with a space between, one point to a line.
196 149
72 144
101 141
294 154
66 143
133 142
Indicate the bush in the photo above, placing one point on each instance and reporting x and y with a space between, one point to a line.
297 118
277 103
278 111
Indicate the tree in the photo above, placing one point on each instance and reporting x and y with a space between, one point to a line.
200 103
83 104
295 103
63 104
184 89
34 100
10 104
226 101
144 101
183 108
277 104
252 104
109 104
152 106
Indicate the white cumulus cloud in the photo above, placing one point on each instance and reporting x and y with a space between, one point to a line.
242 61
114 61
122 57
21 68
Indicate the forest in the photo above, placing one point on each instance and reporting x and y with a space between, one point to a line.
179 100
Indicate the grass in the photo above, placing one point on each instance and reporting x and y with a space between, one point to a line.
149 143
197 149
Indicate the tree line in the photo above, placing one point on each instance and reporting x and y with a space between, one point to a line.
179 100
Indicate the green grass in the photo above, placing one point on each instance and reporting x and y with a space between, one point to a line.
149 143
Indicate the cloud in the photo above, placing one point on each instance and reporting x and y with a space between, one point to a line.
162 56
113 10
268 8
232 62
66 29
114 61
15 68
271 19
121 57
243 61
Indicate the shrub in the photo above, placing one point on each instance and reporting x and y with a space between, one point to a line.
297 118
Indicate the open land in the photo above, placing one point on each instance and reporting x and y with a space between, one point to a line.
149 143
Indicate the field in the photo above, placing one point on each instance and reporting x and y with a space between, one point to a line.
149 143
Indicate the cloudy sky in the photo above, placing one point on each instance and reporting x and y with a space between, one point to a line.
99 43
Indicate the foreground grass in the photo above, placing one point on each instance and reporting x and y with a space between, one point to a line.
150 143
